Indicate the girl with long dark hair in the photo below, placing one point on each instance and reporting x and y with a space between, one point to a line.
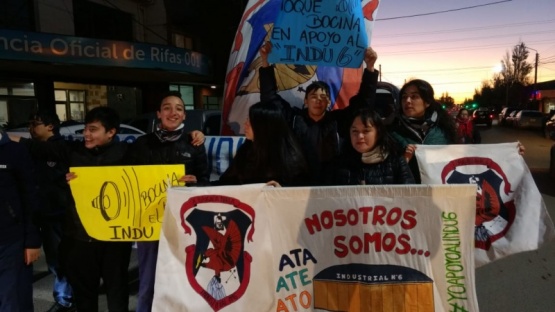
421 120
269 153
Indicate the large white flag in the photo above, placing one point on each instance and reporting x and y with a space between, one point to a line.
511 215
241 84
352 248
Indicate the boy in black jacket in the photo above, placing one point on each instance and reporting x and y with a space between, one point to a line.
319 131
88 260
56 200
19 238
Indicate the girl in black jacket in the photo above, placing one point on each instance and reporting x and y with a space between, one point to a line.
270 153
372 156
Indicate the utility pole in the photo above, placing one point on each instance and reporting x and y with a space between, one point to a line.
535 73
536 76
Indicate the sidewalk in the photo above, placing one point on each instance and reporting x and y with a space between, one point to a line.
42 286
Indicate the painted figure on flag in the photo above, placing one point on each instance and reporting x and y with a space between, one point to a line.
241 88
495 208
217 265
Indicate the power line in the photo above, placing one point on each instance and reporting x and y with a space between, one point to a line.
439 12
466 39
462 29
480 47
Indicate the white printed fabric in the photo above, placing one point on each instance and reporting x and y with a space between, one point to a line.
352 248
511 216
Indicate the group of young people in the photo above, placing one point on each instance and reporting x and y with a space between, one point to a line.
350 146
78 261
284 146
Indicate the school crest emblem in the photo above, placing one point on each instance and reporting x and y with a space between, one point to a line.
495 208
217 264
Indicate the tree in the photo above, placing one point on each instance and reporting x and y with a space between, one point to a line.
508 87
515 67
446 99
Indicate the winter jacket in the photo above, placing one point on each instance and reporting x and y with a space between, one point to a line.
149 150
75 154
348 171
242 170
55 194
404 135
18 195
320 140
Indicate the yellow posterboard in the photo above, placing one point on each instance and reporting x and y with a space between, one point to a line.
123 203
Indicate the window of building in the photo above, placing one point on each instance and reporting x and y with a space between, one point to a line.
17 14
211 102
187 94
181 41
3 112
98 21
17 103
70 104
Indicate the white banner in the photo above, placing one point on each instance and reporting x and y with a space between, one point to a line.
511 215
352 248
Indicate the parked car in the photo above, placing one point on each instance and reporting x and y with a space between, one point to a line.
509 120
482 115
549 128
504 114
529 119
80 127
74 131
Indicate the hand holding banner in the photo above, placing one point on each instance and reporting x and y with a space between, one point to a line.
341 248
123 203
508 202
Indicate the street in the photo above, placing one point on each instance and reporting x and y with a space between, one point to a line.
522 282
525 281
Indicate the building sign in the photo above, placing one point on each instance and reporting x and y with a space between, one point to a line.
31 46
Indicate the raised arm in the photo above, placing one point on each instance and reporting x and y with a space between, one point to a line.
268 83
367 91
266 75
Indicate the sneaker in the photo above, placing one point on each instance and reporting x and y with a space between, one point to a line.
56 307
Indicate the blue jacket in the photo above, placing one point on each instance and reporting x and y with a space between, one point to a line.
405 135
18 194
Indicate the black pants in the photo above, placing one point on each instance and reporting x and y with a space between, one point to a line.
87 263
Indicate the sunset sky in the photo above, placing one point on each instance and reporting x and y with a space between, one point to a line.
455 51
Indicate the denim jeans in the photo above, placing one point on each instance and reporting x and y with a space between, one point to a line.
147 254
51 233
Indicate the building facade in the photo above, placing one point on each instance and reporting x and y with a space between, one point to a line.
74 55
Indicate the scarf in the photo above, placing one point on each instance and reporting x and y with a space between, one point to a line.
420 126
376 155
169 136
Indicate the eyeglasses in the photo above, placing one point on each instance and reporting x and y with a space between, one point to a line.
35 123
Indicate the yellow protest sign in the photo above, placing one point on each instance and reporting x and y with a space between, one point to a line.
123 203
